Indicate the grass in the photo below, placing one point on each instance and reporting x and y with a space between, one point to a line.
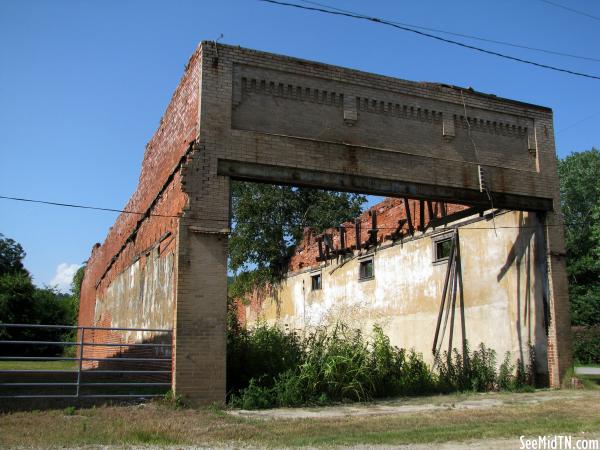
38 365
590 381
72 366
560 412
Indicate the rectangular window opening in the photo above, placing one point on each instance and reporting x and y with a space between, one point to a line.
366 271
441 249
315 281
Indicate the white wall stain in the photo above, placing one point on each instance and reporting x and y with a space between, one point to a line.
140 297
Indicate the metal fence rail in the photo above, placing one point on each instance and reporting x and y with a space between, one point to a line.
85 362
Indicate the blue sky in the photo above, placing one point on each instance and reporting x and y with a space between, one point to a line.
83 85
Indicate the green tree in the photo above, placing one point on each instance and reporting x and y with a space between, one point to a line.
268 222
580 200
11 256
23 303
76 292
16 298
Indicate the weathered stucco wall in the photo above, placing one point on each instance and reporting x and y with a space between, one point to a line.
142 295
503 276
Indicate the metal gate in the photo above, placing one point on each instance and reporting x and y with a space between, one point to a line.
61 361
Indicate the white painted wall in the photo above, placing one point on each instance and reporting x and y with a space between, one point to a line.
504 280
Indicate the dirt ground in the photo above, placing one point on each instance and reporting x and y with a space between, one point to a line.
409 406
470 420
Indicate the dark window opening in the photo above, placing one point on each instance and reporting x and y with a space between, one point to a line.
316 282
442 249
366 270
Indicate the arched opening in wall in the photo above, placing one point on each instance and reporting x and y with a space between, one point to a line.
435 276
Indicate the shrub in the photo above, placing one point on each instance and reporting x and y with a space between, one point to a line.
289 389
482 369
339 364
173 400
260 354
387 363
477 371
396 372
505 374
336 364
416 377
452 370
586 344
255 396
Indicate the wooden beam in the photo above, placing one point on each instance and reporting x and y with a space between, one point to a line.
443 299
373 230
457 216
432 216
411 229
320 243
397 234
342 232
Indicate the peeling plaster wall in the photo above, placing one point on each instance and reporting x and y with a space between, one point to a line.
504 287
141 296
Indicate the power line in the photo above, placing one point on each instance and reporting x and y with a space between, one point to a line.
97 208
432 36
468 36
578 122
581 13
72 205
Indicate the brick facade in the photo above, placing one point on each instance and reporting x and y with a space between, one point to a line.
388 212
245 114
159 196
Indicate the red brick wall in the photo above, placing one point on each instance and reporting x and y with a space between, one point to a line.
389 212
178 128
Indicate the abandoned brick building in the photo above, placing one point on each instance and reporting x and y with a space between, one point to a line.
404 275
249 115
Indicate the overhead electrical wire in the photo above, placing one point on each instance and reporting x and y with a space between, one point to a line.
568 127
432 36
72 205
581 13
468 36
124 211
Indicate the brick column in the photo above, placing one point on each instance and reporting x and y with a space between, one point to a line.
201 296
559 329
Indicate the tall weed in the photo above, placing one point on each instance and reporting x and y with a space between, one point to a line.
268 367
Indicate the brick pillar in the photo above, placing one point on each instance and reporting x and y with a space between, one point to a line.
559 330
199 372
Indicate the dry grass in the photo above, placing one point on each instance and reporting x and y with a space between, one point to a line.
160 424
